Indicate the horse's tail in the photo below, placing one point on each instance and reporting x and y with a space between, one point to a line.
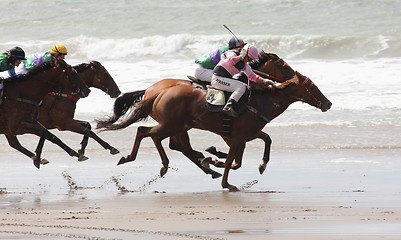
121 105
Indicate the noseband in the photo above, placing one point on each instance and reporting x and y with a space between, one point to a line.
303 83
306 90
96 70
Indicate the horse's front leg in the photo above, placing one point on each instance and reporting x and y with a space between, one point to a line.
238 159
86 129
39 130
235 150
181 143
266 155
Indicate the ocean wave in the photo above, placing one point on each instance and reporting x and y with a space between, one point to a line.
190 46
291 47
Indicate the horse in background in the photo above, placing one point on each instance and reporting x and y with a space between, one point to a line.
58 109
22 96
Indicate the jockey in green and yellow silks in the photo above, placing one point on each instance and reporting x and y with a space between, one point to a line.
58 51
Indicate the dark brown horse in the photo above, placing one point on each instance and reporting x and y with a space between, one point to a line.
180 108
22 96
57 109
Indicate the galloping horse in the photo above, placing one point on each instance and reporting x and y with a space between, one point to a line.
269 65
22 96
180 108
57 110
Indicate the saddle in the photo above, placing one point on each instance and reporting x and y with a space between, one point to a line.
216 99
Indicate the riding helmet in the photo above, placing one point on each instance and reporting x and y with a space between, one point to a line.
17 52
59 49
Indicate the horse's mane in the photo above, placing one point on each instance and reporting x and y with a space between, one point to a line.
31 72
263 58
43 66
83 66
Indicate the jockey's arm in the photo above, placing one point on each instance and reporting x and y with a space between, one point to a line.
253 77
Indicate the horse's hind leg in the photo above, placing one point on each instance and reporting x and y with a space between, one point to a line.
181 143
141 133
14 143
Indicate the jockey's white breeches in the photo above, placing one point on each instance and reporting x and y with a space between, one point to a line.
230 85
203 74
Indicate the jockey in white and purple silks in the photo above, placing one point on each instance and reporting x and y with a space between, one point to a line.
206 62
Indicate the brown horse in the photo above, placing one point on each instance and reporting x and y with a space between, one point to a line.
269 66
22 96
180 108
57 110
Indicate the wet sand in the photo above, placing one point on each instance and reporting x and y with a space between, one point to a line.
304 194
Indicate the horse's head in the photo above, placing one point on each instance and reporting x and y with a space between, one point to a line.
95 75
70 80
301 88
304 89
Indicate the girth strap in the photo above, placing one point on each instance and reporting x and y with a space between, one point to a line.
24 101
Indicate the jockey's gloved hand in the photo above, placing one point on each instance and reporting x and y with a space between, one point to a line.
269 84
243 53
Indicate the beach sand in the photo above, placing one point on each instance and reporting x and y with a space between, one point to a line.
304 194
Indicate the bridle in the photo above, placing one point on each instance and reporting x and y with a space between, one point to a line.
96 67
306 90
303 84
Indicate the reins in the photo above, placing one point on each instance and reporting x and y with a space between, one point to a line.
23 100
65 95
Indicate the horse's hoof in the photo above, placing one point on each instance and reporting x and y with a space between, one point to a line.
44 161
215 175
81 152
234 189
235 166
114 151
211 150
262 168
122 161
163 171
206 162
82 158
36 163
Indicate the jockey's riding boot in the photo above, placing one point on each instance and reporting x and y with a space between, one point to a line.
230 107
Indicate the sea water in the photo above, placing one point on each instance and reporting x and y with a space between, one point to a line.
350 49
